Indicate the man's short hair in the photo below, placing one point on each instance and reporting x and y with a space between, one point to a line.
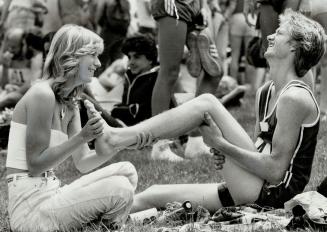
309 38
142 45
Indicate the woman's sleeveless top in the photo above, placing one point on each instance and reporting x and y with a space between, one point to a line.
16 157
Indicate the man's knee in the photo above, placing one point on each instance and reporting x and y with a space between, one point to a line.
208 98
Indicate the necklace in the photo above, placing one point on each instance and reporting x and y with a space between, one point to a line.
63 111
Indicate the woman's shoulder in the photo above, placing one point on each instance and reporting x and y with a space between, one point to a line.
41 89
40 92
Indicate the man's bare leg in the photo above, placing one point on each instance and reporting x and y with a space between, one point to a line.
243 185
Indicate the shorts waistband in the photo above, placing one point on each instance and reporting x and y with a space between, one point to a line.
18 176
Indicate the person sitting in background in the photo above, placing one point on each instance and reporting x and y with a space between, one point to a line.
46 130
21 66
140 78
25 14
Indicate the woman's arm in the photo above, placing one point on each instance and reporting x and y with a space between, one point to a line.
85 159
39 110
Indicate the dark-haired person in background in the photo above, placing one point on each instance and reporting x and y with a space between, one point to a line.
139 80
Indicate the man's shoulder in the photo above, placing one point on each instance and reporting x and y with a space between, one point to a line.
298 100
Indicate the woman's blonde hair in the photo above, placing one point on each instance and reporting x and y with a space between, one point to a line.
62 61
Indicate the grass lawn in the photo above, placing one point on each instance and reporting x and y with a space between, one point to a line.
195 171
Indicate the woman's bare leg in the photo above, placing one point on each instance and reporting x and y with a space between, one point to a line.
243 185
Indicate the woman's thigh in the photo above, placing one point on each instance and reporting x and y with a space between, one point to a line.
74 205
125 169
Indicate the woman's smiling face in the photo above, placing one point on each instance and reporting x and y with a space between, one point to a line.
87 66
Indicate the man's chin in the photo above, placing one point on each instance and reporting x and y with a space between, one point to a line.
267 54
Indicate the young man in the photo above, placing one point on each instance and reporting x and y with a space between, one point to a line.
139 80
268 172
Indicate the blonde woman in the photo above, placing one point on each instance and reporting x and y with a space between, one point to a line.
46 130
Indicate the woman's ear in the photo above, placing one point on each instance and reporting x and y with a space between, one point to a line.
293 46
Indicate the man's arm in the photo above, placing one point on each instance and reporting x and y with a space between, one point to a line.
291 113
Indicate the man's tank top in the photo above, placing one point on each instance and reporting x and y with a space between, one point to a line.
298 172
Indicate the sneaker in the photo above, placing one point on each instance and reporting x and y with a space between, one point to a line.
193 62
211 65
161 151
195 148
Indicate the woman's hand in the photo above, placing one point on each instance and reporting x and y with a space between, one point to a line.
92 129
94 126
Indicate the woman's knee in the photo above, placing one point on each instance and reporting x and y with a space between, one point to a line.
129 171
120 186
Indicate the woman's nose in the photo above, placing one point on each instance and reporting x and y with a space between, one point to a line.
97 62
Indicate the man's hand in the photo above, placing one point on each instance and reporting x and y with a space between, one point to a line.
219 158
210 131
